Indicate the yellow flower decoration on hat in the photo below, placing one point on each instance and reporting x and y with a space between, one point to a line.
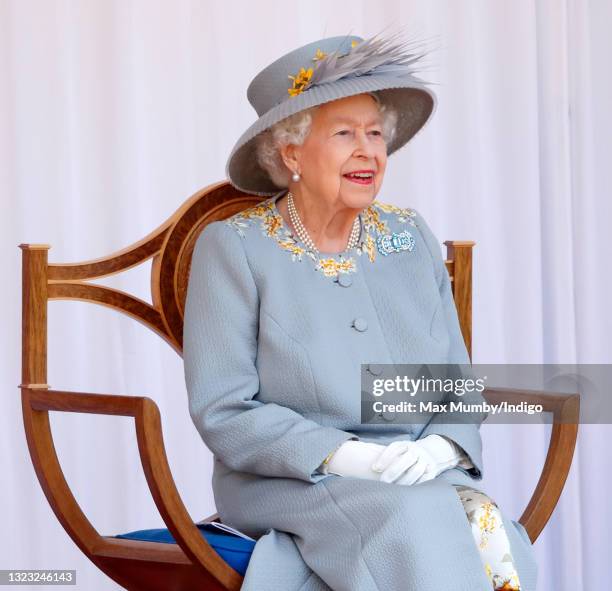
319 55
300 81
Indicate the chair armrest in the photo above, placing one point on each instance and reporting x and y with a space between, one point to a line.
37 402
566 413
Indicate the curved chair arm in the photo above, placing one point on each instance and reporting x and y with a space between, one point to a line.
566 412
37 402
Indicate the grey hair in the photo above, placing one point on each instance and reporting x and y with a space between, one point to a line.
294 130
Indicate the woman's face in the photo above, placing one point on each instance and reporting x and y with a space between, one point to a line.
346 136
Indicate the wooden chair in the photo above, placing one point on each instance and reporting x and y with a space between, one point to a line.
191 563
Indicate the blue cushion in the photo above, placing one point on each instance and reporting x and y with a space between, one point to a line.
236 551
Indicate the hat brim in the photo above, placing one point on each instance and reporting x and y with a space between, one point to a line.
413 101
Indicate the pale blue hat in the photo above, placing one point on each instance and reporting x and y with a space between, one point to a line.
339 67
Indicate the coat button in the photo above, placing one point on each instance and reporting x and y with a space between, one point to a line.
360 324
375 369
345 280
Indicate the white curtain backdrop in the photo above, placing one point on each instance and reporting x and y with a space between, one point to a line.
112 113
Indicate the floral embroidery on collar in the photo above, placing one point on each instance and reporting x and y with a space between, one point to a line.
273 226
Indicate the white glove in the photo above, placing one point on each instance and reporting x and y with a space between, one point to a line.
411 462
354 458
445 451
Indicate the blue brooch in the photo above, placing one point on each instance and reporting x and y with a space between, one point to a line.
395 242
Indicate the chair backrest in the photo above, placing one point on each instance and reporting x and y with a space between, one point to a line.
171 246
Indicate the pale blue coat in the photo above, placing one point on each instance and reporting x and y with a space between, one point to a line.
273 347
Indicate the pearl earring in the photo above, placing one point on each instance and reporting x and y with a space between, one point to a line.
296 177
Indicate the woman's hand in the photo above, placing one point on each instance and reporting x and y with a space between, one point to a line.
355 458
412 462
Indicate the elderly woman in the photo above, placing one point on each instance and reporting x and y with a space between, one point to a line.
288 299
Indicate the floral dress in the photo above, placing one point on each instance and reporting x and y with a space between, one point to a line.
490 536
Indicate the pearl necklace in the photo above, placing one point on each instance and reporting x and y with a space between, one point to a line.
305 237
